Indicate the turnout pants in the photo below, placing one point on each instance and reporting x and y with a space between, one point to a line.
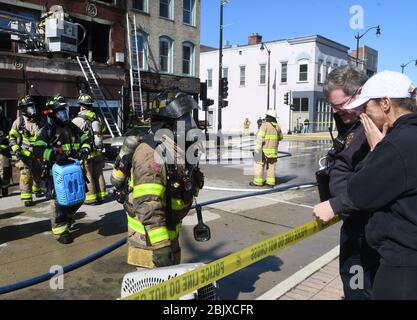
358 262
30 177
5 171
96 187
62 217
270 165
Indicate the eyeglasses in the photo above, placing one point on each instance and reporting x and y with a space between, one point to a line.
338 107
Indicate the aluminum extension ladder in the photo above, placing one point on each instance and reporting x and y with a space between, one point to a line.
136 102
98 95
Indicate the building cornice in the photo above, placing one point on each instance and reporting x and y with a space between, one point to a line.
23 4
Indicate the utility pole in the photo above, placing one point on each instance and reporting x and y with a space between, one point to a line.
220 101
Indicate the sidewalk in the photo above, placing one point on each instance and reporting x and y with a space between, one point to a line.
325 284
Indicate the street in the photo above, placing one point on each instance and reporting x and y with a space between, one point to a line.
27 248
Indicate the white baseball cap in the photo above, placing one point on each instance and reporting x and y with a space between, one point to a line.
384 84
272 113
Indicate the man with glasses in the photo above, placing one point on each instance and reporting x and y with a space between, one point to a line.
358 263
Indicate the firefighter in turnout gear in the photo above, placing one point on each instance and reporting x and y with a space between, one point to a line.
266 150
5 157
23 136
61 141
90 124
163 181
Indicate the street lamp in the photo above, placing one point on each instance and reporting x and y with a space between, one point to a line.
220 104
358 37
404 65
263 47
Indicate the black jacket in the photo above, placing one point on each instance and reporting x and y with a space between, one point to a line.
386 184
343 164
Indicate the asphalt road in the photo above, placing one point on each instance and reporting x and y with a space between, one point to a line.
27 248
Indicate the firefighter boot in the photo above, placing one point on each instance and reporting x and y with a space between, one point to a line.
65 238
29 203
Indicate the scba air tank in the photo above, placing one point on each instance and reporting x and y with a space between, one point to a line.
98 137
123 162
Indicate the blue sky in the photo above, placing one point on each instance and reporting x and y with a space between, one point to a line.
280 19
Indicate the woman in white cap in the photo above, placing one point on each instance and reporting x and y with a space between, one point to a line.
386 183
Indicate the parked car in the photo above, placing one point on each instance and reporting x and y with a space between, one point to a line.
113 145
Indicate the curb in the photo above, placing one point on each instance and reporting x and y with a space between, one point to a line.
298 277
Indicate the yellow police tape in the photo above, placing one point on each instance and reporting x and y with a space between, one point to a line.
188 282
306 136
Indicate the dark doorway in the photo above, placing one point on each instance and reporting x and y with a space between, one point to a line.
96 43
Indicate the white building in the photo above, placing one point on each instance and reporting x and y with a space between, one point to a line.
298 65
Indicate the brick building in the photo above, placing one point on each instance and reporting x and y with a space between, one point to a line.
44 75
168 36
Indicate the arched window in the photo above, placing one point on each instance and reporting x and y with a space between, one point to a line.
140 44
188 54
165 54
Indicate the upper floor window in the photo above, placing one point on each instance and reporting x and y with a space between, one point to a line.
209 78
165 9
242 76
141 5
188 58
165 54
262 74
284 72
188 12
226 72
320 72
140 45
303 74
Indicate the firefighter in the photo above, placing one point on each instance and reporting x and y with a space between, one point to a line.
266 150
5 157
90 124
246 126
23 136
61 141
162 186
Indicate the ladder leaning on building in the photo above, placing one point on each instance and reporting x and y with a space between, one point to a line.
98 95
136 102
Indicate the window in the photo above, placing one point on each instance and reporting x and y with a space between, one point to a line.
284 69
188 12
188 58
300 104
210 78
226 73
262 74
142 48
320 72
326 71
165 8
242 76
303 76
165 55
141 5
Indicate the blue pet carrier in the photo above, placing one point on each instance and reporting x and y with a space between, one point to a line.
69 183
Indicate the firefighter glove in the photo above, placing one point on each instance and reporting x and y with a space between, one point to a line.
83 154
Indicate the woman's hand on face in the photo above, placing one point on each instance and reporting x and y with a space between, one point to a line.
373 135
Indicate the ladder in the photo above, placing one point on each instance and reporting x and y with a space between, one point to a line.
136 102
98 95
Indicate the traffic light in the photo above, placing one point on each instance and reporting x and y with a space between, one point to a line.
287 98
207 103
203 91
225 88
224 103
